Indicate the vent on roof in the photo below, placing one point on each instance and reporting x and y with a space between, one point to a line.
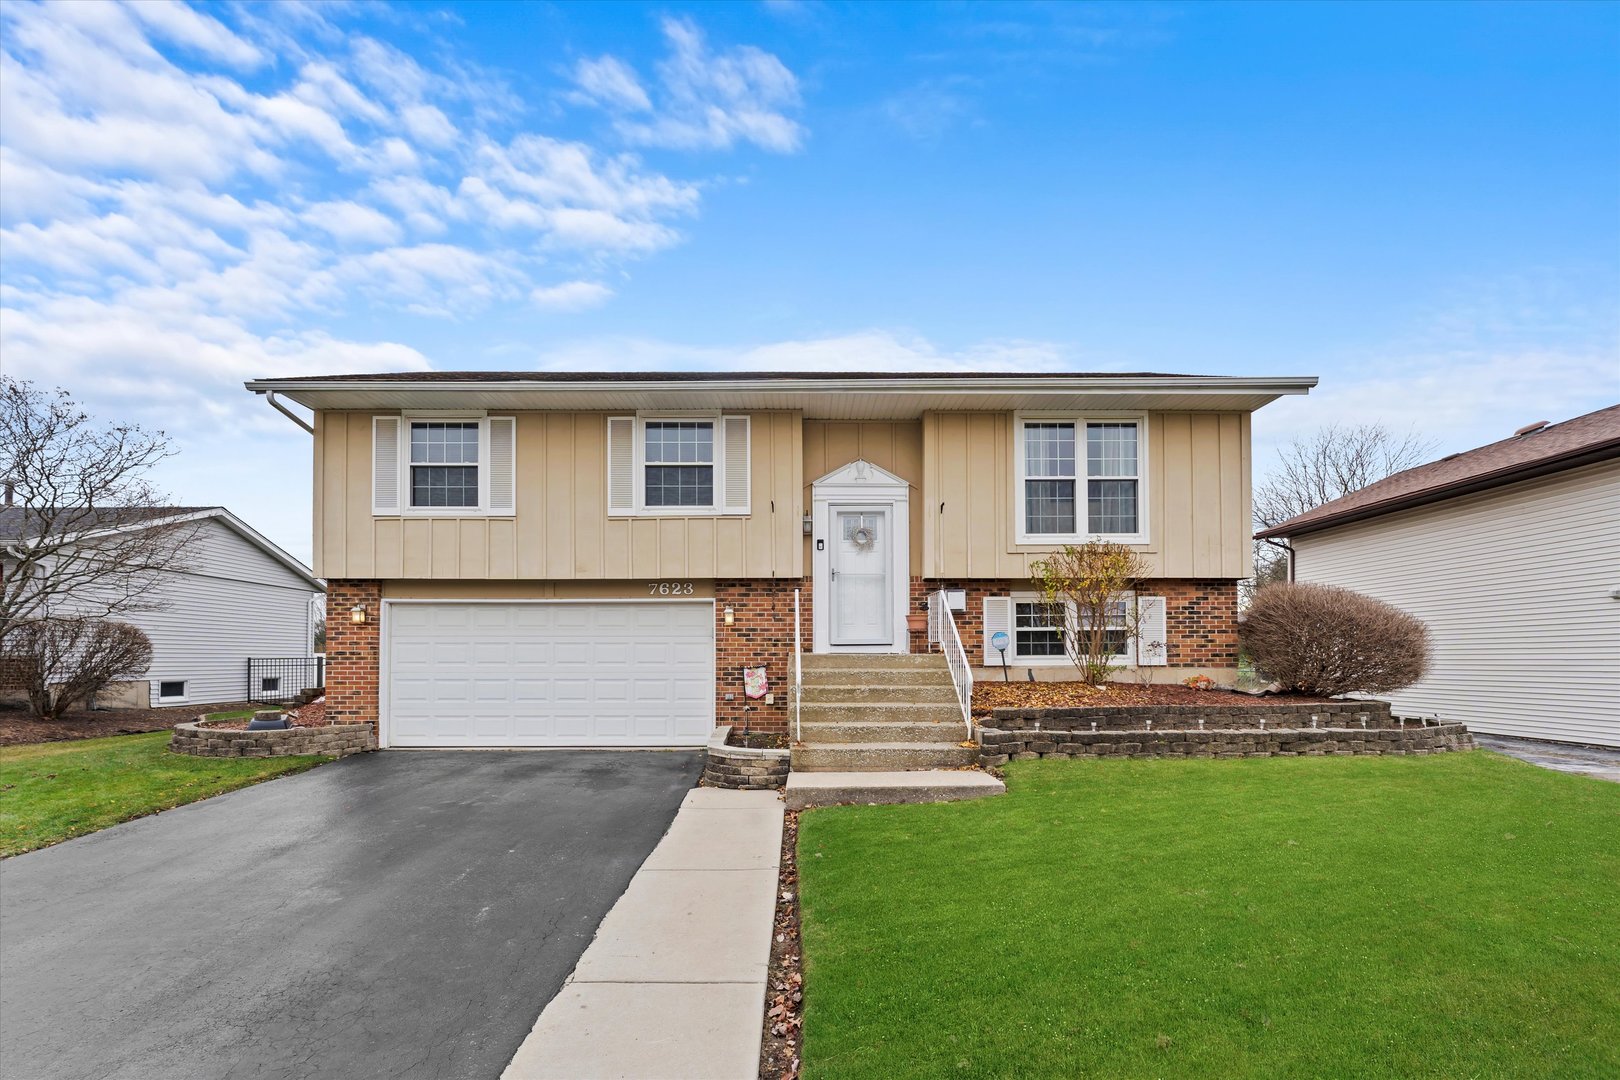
1528 428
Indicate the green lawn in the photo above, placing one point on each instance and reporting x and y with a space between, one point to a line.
50 792
1445 916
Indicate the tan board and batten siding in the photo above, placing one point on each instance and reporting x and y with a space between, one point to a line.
1198 496
897 446
1197 501
1515 586
561 529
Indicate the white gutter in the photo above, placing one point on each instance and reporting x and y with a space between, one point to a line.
931 385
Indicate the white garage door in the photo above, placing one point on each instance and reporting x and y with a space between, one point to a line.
550 674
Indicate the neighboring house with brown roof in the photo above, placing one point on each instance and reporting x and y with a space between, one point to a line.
555 559
238 597
1511 554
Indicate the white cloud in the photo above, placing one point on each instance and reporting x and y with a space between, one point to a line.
610 82
184 26
353 223
707 100
929 110
571 296
1458 399
873 349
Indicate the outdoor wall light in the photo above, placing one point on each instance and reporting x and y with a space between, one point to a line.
357 614
730 617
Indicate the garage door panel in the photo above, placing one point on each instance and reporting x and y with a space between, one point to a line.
550 674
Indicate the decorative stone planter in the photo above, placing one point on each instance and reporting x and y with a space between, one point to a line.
743 766
334 740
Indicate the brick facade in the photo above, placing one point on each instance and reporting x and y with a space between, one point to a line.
352 651
1200 615
761 632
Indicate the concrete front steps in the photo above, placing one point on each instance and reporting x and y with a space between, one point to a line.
870 712
881 729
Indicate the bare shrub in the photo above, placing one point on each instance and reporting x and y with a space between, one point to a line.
70 660
1089 587
1317 639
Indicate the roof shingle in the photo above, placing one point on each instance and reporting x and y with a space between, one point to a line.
1585 439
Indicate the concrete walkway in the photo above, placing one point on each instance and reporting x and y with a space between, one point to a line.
673 985
1590 761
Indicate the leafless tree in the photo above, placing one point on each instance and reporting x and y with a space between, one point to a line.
75 487
71 659
1088 588
1318 468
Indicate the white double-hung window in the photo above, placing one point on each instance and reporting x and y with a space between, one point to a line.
1040 634
1080 477
444 463
449 465
678 465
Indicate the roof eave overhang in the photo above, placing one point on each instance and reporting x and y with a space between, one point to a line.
1586 455
886 395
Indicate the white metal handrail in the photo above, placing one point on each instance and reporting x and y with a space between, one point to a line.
798 672
942 632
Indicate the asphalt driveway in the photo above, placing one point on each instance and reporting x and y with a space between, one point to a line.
402 915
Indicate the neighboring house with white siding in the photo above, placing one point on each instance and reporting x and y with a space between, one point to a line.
241 597
1511 554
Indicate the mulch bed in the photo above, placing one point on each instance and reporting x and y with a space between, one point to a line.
758 740
311 715
18 726
779 1053
1074 695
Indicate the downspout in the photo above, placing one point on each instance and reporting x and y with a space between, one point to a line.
275 403
1288 553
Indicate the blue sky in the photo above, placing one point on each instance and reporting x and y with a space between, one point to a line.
1418 203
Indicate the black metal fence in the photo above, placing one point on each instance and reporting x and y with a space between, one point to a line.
277 680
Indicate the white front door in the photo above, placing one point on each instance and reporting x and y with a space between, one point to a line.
860 560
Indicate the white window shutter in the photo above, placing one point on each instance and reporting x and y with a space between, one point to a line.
385 468
1152 632
998 616
734 445
621 464
502 458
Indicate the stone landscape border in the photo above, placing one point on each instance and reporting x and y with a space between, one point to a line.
997 747
199 739
743 767
1217 714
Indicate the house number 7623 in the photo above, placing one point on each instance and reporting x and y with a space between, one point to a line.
669 588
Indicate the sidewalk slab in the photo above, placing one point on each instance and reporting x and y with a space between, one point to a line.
673 984
713 838
730 799
645 1031
686 926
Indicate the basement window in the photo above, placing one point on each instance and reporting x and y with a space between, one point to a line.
172 690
